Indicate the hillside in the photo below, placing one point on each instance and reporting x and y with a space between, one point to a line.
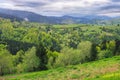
31 47
105 69
6 16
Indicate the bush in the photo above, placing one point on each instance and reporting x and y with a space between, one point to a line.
20 68
104 54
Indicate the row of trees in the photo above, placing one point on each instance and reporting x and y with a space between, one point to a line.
29 60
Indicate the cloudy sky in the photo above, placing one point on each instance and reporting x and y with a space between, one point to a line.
65 7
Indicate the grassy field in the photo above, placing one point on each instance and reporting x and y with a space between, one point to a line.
105 69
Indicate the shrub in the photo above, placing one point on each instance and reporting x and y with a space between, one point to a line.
104 54
20 68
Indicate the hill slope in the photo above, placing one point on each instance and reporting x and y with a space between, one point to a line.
106 69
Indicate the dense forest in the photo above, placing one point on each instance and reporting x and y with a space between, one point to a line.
27 47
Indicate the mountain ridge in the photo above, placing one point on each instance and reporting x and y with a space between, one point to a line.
65 19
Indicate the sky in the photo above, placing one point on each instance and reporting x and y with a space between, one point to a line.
65 7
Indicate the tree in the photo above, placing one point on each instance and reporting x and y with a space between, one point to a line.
104 54
7 29
52 56
30 61
106 50
18 57
111 46
68 56
31 36
6 61
86 48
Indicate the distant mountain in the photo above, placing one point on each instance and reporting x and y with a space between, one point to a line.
30 16
89 19
6 16
33 17
113 21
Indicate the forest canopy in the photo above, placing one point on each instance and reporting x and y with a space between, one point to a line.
26 47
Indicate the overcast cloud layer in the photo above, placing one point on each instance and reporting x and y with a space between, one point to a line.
65 7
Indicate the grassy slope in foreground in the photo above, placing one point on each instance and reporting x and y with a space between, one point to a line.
106 69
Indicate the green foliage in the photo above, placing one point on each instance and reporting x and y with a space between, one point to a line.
20 68
111 46
68 56
18 57
55 45
52 56
95 70
31 36
6 61
104 54
106 50
7 29
86 50
30 60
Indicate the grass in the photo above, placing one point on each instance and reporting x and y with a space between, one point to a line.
112 76
105 69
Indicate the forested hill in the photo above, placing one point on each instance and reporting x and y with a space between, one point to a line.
13 18
27 47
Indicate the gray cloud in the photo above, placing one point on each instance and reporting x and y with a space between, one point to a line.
111 7
115 0
65 7
31 4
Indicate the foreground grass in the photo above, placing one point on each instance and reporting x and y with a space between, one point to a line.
113 76
106 69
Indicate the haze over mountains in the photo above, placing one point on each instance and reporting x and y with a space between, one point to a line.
66 19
